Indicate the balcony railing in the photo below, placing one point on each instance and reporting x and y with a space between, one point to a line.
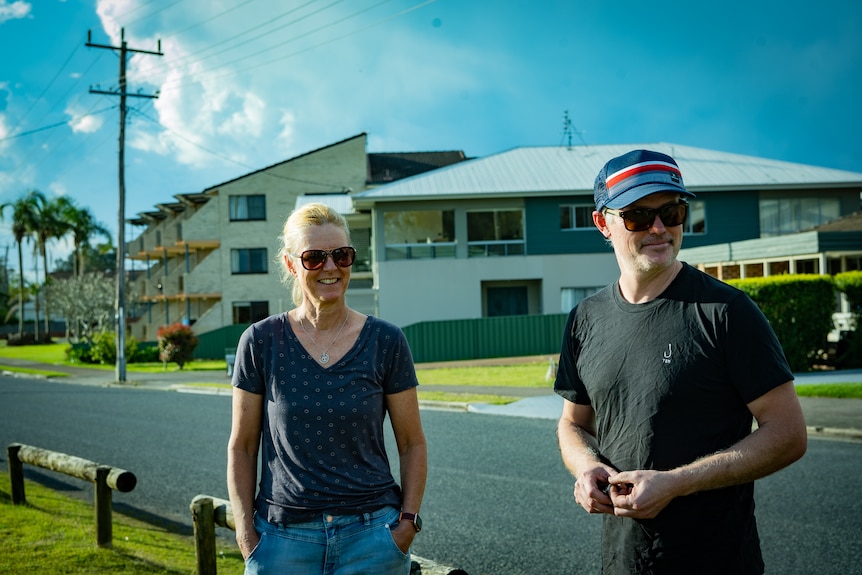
496 248
422 250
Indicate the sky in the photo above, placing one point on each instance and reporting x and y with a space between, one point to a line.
244 84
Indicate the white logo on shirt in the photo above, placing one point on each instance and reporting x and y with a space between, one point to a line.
666 355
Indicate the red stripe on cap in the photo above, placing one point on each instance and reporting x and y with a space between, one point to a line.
630 171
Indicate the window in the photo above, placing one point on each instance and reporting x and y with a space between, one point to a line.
419 234
570 297
509 300
495 233
248 261
577 217
791 215
247 312
245 208
695 222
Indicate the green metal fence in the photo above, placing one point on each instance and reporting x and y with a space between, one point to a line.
449 340
212 344
508 336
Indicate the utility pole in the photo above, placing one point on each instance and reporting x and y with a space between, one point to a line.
120 302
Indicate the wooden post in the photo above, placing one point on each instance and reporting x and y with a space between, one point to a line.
205 550
103 498
16 474
104 478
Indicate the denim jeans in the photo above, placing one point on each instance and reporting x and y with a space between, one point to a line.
330 545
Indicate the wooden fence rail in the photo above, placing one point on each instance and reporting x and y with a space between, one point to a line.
103 477
207 512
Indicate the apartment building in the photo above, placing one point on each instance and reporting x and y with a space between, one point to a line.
209 258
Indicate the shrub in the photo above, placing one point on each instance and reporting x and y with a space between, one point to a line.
27 338
177 343
79 353
146 352
103 350
799 308
850 283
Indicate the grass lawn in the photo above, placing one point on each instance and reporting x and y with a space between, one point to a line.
53 533
55 354
836 390
520 375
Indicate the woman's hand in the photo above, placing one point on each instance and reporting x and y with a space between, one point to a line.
403 535
247 540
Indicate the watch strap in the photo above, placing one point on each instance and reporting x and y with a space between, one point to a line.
413 518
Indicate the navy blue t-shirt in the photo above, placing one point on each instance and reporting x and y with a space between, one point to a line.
322 444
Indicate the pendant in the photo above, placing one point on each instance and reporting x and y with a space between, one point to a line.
324 357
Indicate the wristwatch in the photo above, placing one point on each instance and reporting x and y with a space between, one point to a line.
412 517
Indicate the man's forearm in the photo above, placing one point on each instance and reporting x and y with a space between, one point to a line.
770 448
578 447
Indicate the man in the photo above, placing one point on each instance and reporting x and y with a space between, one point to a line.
662 373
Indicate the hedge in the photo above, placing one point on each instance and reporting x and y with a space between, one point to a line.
799 308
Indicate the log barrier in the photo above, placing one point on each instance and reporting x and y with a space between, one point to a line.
103 477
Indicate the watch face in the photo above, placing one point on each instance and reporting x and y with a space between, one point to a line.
417 521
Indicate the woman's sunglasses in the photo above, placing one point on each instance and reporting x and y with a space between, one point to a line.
314 259
641 219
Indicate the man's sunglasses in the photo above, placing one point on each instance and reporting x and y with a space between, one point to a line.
641 219
314 259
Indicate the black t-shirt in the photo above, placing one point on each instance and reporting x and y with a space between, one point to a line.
669 381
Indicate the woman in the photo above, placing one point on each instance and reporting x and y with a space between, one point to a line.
314 384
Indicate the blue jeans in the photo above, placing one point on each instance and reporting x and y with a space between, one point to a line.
330 545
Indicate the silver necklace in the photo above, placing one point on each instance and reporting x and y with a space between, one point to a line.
324 356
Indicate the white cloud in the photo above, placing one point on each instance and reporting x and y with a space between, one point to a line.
217 101
84 123
14 11
109 11
4 133
286 134
59 188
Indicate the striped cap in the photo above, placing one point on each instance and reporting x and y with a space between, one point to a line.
637 174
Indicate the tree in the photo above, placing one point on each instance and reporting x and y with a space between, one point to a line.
25 219
177 344
52 225
86 303
83 226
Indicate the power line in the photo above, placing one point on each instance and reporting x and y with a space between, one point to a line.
223 45
208 20
48 87
58 124
331 187
211 72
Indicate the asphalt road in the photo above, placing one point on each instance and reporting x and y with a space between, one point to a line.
498 499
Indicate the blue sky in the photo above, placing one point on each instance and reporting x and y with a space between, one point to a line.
244 84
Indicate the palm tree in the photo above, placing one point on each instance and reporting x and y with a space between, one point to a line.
52 225
83 226
25 219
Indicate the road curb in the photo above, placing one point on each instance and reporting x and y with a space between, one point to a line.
838 432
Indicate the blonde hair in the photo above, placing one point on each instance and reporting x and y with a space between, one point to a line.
293 234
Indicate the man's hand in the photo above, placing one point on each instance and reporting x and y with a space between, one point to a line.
641 494
592 489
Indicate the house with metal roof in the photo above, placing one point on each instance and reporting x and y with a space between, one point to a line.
209 258
512 233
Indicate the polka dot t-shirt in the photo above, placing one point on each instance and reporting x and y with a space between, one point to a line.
322 443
